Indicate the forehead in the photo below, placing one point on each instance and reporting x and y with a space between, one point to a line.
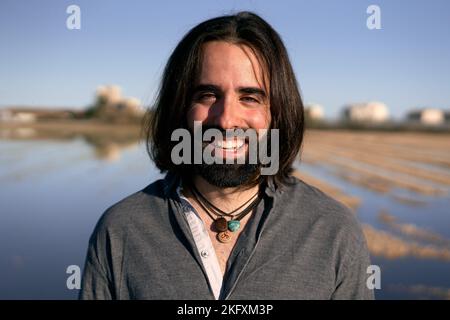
226 62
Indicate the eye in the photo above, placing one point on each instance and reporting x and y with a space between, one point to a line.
206 96
250 99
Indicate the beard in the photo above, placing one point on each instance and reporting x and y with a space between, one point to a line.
228 175
224 175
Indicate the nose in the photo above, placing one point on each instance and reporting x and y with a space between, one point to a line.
226 113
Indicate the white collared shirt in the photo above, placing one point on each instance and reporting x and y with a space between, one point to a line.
204 245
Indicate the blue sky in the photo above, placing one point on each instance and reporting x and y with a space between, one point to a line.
337 59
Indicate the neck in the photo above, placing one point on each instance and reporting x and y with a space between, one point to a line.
227 199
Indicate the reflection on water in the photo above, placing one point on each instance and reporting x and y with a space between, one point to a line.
53 190
422 292
411 247
57 180
382 243
107 141
412 231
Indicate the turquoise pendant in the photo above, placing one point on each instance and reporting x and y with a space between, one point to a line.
234 225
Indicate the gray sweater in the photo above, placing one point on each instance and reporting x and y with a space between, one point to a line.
299 244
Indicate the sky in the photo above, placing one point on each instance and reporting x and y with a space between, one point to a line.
336 57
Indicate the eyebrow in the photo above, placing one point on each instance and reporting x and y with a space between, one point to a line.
216 89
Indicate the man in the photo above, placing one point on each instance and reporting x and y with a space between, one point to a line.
227 231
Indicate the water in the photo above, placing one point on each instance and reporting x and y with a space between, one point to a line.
54 191
52 194
403 277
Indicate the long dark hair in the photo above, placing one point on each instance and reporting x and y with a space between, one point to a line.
183 67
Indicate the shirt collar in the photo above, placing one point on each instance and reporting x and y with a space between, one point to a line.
173 186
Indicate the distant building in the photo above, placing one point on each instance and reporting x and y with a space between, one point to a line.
314 111
17 115
372 112
31 114
132 104
24 117
110 101
109 105
427 116
112 94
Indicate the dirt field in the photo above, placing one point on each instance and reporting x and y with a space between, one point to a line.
418 163
380 161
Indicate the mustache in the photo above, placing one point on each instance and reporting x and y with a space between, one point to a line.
233 131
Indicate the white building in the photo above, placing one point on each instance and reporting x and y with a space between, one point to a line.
133 104
374 112
427 116
314 111
7 115
111 93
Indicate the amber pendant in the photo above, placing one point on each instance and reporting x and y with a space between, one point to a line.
221 224
224 236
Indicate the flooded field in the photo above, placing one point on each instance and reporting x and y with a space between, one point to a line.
57 180
398 186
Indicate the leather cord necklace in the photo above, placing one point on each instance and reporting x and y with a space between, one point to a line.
225 228
217 210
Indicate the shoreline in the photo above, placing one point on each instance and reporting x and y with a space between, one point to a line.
85 125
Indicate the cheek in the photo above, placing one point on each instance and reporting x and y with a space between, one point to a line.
258 119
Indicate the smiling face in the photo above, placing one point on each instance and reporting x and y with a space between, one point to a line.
230 93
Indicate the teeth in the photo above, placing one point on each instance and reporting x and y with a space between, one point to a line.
229 144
